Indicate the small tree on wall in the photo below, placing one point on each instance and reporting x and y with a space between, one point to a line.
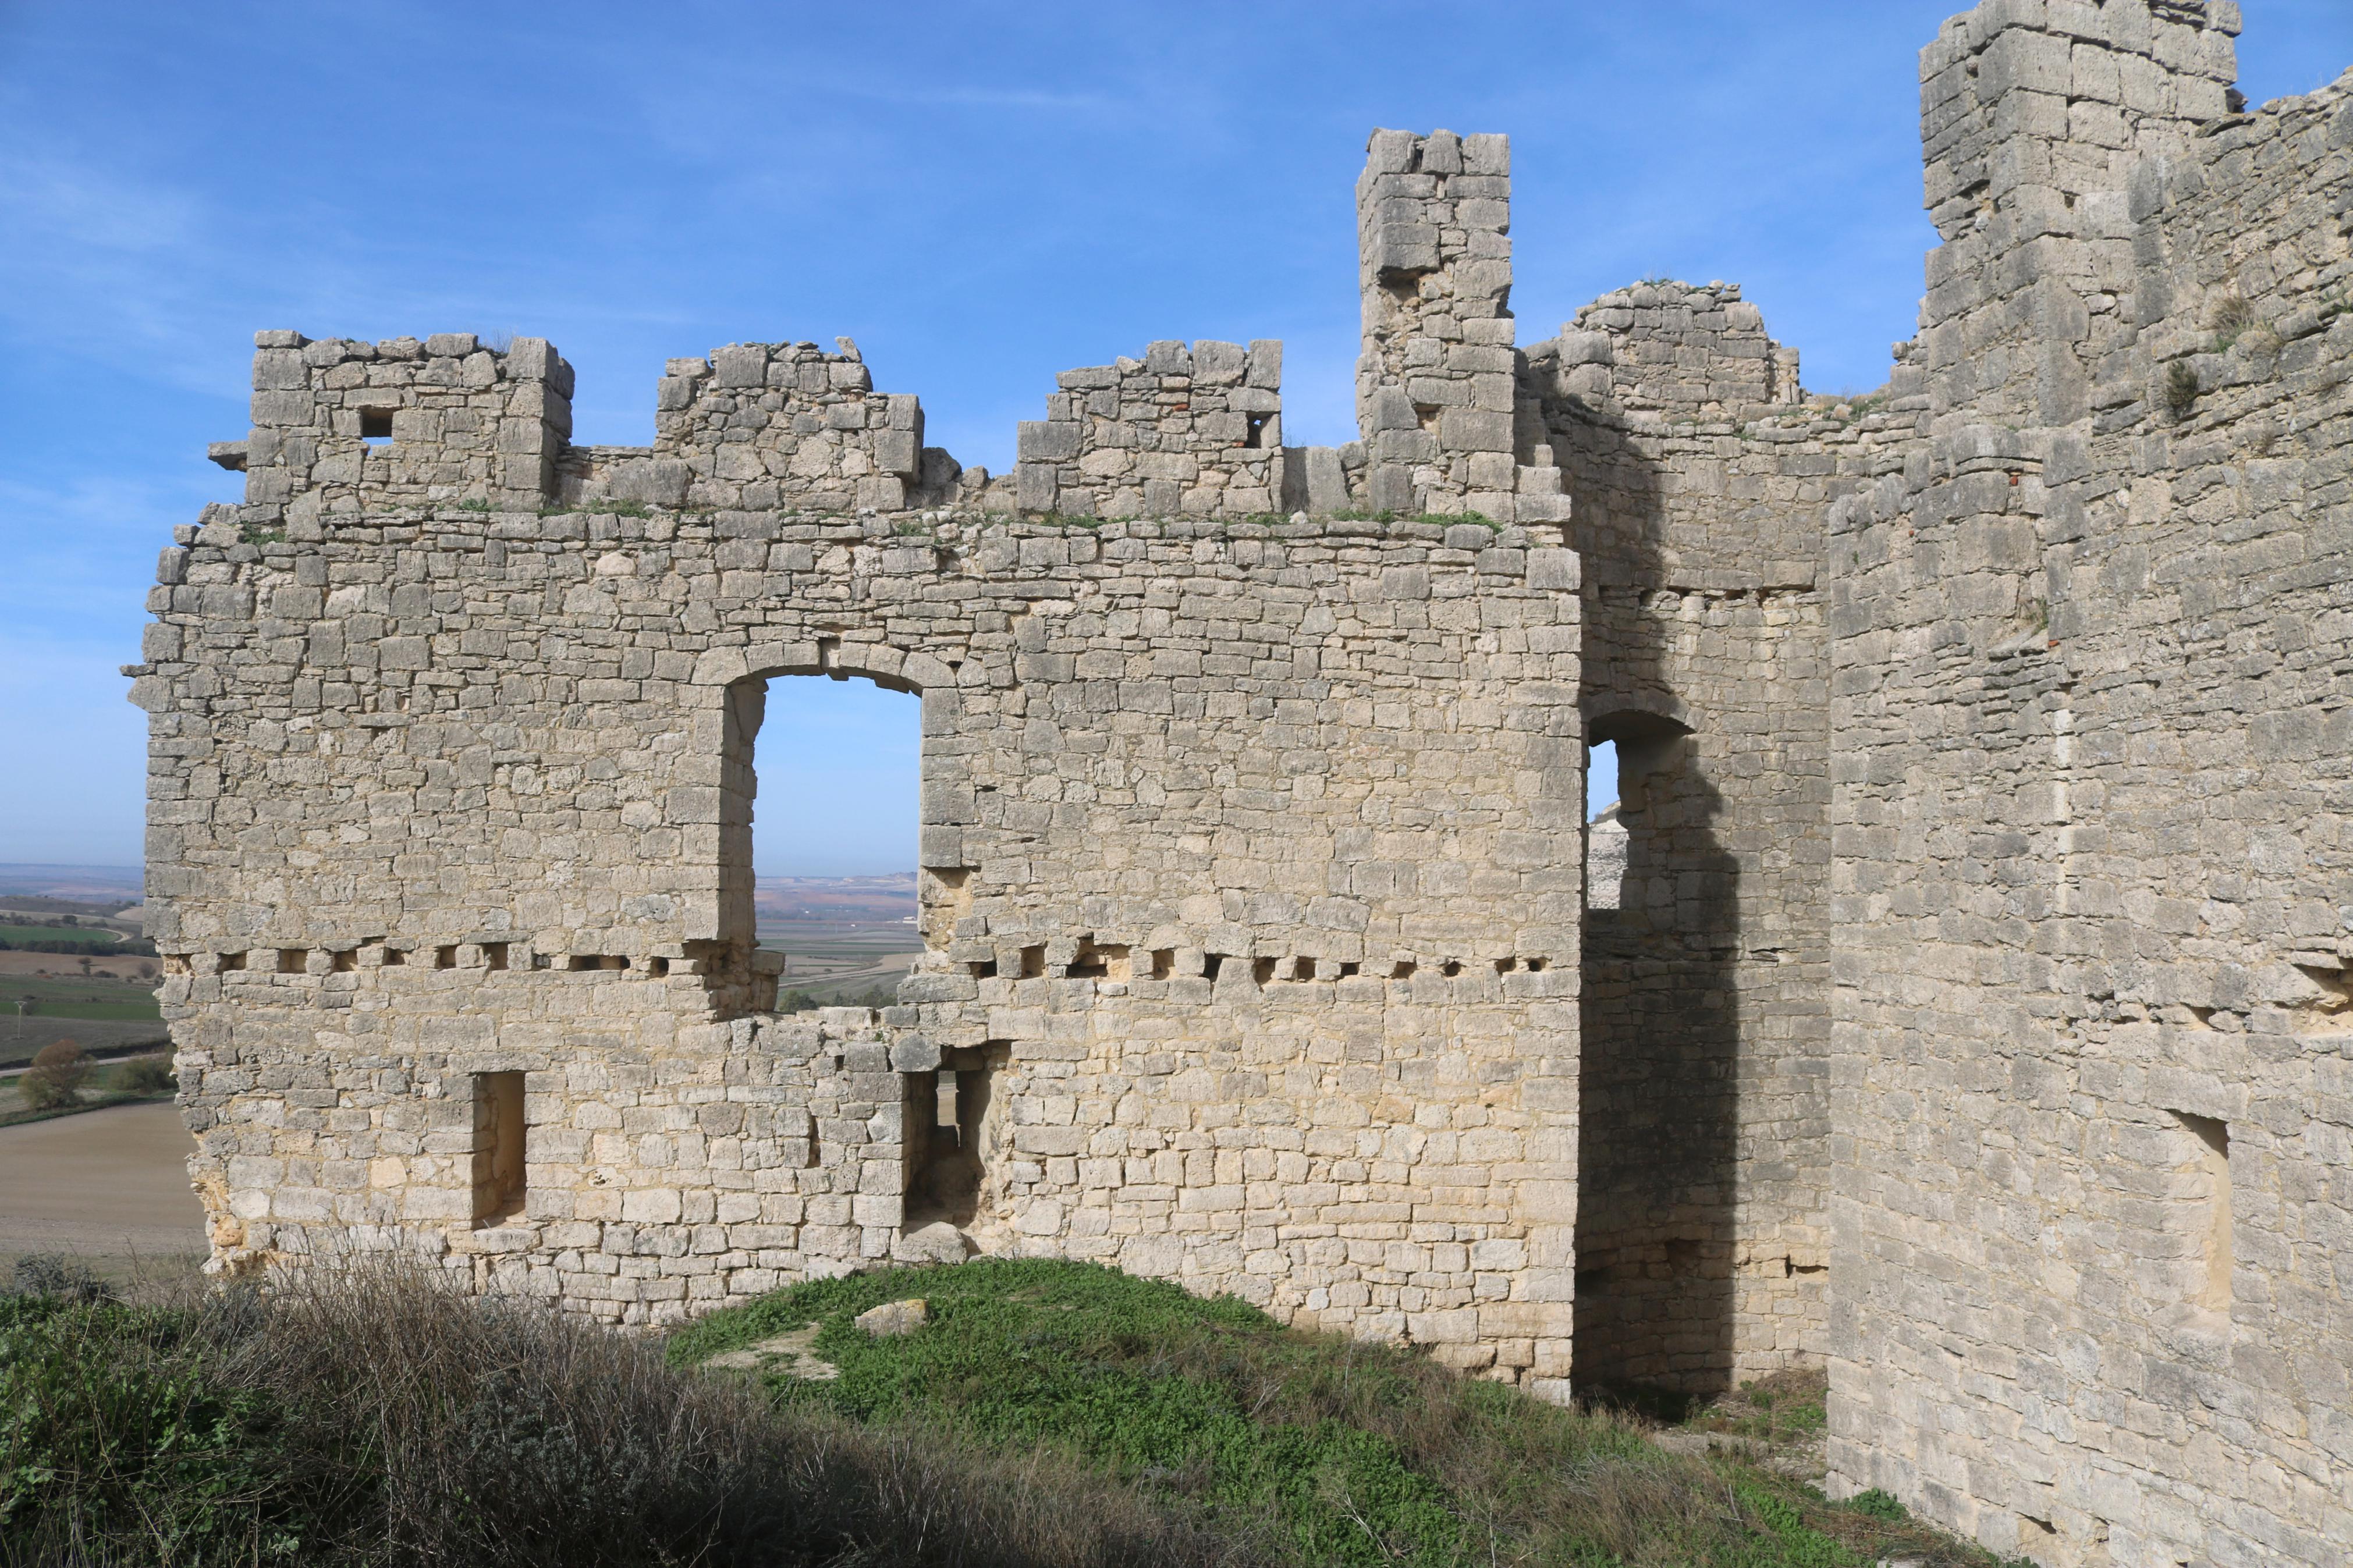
56 1077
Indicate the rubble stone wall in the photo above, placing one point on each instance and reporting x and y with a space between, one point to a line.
2094 1091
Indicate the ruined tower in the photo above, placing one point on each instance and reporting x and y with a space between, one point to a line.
1970 1014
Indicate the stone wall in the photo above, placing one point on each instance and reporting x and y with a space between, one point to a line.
1264 962
2094 1096
1974 1012
761 426
446 419
1181 432
1700 480
1436 380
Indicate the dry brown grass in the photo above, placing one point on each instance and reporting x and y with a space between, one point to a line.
406 1427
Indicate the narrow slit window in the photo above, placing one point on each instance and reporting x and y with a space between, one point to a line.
498 1155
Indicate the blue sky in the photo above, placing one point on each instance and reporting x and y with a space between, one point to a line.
981 194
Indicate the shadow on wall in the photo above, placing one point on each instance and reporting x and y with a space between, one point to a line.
1659 1081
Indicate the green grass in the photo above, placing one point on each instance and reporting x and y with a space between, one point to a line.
1324 1450
1051 1415
58 934
72 997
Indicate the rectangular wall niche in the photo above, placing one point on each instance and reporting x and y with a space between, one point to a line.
497 1147
2207 1162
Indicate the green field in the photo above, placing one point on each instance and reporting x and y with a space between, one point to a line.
73 997
834 960
58 934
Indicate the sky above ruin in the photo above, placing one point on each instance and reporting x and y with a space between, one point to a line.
981 195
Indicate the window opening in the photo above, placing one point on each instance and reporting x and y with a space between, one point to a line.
376 424
1604 834
1257 436
821 863
952 1117
497 1147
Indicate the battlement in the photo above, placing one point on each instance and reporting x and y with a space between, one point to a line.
1180 432
1674 350
338 422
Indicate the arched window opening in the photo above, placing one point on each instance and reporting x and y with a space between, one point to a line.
828 787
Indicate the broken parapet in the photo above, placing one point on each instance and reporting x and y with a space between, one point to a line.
762 425
338 424
1674 350
1180 432
1435 381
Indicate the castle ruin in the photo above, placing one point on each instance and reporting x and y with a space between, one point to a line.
1974 1013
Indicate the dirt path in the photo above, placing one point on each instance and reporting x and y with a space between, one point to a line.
105 1184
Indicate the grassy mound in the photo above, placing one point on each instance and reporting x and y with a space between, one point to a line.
1301 1447
1050 1416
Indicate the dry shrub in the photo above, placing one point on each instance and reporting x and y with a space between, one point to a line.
56 1077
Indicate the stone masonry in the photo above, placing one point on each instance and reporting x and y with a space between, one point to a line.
1968 1006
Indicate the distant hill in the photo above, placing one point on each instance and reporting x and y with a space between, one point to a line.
108 890
838 899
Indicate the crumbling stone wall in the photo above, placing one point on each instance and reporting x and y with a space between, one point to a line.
2092 873
761 426
1181 432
